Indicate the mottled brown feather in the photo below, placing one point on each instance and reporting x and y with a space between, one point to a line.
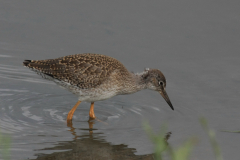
82 70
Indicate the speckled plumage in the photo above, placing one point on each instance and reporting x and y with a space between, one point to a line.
81 70
95 77
83 74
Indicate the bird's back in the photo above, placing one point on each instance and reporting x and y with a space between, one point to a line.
81 70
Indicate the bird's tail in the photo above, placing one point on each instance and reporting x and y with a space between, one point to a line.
26 63
42 69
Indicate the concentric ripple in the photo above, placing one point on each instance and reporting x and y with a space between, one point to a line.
34 115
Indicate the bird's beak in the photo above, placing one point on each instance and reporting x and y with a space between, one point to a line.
165 96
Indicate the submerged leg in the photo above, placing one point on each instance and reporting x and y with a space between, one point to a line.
70 113
91 111
90 124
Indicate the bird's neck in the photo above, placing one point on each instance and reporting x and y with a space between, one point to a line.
134 83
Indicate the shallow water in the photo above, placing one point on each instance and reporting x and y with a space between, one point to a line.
195 44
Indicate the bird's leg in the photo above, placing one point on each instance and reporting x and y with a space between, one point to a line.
90 124
91 111
70 113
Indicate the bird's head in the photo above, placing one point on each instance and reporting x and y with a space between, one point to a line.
156 81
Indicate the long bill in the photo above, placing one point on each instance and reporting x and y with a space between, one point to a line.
165 96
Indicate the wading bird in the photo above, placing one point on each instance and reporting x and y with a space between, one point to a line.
96 77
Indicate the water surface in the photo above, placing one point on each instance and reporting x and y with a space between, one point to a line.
195 44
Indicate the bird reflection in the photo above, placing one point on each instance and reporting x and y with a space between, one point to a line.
72 129
91 145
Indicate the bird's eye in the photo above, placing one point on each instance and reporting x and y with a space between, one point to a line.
160 83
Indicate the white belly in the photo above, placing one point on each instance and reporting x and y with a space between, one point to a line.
89 97
99 93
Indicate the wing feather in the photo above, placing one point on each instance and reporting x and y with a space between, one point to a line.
83 70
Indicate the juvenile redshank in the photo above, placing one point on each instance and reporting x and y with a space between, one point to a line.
96 77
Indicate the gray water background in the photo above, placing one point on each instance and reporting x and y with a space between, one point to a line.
196 45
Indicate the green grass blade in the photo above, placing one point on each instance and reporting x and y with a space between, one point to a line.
5 144
183 152
212 139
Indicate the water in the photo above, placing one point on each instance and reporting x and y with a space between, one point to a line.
195 44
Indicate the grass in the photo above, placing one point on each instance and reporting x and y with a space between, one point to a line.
212 139
163 149
5 144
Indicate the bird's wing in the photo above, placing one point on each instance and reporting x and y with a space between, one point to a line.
82 70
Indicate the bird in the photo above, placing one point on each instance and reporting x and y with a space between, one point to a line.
96 77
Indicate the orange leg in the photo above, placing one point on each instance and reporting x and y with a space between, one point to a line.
90 124
70 113
91 111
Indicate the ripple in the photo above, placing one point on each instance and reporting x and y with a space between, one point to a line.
36 120
5 56
20 73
